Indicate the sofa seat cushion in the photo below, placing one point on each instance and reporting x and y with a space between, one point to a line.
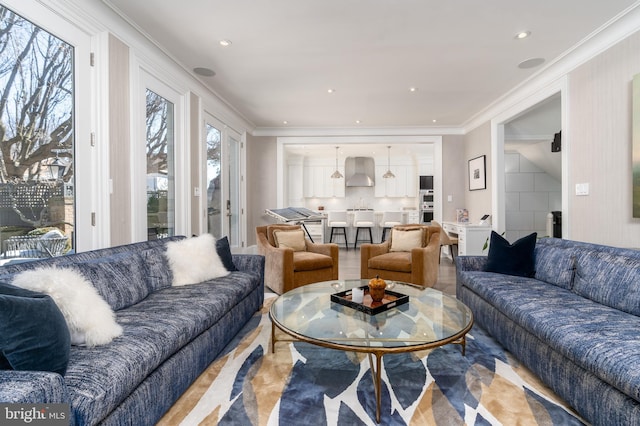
600 339
309 261
394 261
99 379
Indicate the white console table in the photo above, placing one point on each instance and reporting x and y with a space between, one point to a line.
471 237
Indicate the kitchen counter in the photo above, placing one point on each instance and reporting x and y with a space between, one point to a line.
408 216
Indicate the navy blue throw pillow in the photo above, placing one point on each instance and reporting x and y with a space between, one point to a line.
512 259
33 333
224 251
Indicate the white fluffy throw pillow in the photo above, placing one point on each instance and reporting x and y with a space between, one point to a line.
90 319
194 260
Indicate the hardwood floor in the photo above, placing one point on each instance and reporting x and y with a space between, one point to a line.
350 269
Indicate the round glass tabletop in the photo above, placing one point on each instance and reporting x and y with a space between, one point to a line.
430 318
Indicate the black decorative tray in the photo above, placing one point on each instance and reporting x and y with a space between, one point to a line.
391 299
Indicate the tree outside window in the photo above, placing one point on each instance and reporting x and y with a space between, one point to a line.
36 130
160 177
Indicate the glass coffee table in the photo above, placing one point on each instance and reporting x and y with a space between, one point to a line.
430 319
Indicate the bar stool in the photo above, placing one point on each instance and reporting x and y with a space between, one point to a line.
337 220
363 219
389 220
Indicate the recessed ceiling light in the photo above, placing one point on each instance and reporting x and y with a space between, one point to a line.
331 90
285 122
205 72
434 120
413 89
531 63
358 121
225 43
523 34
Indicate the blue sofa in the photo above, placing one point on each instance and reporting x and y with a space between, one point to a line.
170 336
575 324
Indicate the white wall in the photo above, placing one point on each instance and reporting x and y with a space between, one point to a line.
600 104
531 194
478 202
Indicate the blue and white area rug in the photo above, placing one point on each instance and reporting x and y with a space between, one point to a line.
303 384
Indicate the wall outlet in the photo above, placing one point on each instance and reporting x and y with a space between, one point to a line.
582 189
449 198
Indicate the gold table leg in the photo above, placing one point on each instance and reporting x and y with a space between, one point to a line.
375 375
273 338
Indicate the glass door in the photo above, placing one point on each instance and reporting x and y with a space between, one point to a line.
233 200
213 137
222 181
37 140
160 179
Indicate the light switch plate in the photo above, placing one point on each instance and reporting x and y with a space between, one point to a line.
582 189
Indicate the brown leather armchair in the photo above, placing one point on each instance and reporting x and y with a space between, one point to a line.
286 269
417 265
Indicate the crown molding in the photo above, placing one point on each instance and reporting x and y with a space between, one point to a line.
356 131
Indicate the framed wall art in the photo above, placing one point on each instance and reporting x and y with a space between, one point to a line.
478 173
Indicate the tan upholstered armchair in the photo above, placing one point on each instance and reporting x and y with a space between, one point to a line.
290 262
410 255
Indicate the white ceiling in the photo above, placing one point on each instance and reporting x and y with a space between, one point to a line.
461 55
321 150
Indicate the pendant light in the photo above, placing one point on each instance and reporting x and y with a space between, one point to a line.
388 174
336 174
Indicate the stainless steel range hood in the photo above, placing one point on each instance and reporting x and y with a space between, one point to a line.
359 171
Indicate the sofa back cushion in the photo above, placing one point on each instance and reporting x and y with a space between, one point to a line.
611 279
121 279
555 265
160 275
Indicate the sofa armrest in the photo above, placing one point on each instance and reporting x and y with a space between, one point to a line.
467 264
424 262
249 262
471 263
32 387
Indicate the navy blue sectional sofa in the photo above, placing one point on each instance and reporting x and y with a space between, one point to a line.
170 336
575 324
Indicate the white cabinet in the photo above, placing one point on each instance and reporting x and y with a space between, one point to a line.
412 216
316 231
294 183
319 184
471 238
403 185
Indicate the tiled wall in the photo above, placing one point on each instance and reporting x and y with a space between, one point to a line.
530 195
